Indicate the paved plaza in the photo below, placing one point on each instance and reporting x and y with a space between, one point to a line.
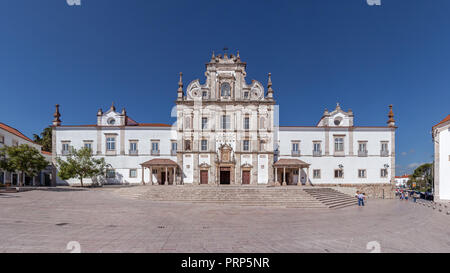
102 220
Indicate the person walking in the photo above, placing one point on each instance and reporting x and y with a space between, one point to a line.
360 197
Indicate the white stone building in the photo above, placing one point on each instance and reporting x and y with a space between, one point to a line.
441 139
226 133
10 136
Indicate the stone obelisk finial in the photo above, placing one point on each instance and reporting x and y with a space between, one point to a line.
391 121
269 87
57 115
180 87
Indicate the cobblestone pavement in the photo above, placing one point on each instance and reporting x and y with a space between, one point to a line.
103 221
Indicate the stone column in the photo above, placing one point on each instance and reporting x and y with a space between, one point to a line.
143 182
284 176
307 177
299 180
166 178
276 175
151 175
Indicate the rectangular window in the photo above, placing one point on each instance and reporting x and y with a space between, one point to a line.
384 173
246 95
110 173
88 145
2 139
205 94
338 173
187 145
65 148
226 122
204 145
246 145
362 173
316 174
204 123
246 123
133 146
362 146
133 173
174 148
384 148
339 144
110 143
316 147
155 147
295 146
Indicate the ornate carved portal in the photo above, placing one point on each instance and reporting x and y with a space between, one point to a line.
225 165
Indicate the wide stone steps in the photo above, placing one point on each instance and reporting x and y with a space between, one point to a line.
332 198
290 196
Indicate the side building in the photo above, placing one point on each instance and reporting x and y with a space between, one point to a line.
441 139
10 136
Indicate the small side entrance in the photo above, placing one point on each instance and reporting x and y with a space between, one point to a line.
224 176
245 177
204 177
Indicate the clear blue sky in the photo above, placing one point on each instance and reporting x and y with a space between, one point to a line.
319 52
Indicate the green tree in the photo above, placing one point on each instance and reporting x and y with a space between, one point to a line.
81 164
44 139
422 178
23 158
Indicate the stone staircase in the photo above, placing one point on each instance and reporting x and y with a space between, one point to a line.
332 198
290 196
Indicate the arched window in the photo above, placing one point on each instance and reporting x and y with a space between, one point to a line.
225 89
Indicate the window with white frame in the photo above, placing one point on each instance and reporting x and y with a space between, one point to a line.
338 173
2 139
246 123
384 173
246 145
316 173
338 144
65 147
88 145
362 146
174 146
226 122
317 146
133 173
110 143
204 123
204 145
362 173
155 147
225 89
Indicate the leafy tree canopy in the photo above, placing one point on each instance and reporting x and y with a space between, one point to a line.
44 139
422 178
81 164
23 158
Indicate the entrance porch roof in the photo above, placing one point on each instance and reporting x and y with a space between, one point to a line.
290 163
159 162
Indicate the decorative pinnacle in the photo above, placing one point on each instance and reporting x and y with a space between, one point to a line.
238 55
338 106
269 86
180 82
391 120
57 115
213 56
113 108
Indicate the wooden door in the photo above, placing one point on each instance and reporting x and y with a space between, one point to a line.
245 177
203 177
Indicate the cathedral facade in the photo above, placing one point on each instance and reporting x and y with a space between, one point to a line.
227 134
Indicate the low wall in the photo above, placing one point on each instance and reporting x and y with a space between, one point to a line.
380 191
